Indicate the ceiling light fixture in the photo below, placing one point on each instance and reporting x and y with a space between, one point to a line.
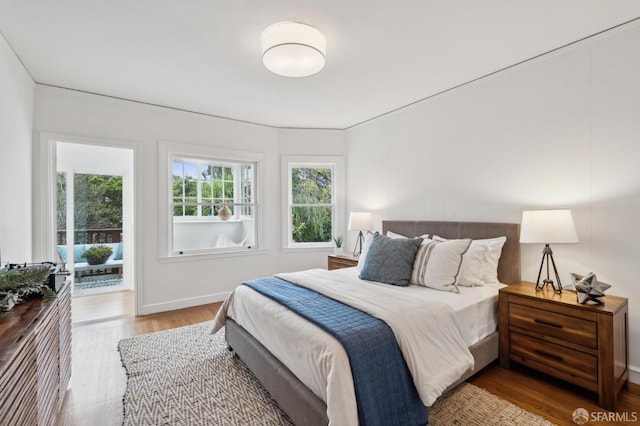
292 49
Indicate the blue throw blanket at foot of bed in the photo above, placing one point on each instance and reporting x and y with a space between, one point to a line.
385 392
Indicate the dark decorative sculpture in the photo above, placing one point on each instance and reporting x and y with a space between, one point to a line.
588 288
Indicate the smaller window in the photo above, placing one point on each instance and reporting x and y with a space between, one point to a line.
311 204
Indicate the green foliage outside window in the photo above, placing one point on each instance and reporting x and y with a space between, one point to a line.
311 214
61 201
98 201
216 188
190 187
97 198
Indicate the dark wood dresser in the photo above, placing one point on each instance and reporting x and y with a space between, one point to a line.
584 344
35 360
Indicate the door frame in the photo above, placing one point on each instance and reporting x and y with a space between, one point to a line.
44 200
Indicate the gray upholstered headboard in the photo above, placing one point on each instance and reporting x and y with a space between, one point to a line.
509 266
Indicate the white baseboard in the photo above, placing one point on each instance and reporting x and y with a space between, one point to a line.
634 374
182 303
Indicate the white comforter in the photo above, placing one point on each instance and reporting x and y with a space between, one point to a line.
426 331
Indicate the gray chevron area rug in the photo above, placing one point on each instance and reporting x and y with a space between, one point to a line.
186 376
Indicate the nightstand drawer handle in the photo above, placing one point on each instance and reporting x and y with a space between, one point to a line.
550 324
548 355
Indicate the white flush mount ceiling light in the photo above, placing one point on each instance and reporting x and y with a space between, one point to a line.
292 49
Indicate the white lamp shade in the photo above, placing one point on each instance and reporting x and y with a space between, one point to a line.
548 227
292 49
360 221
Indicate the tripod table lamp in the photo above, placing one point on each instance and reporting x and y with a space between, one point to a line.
360 221
548 227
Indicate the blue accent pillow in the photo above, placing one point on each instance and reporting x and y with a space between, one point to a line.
390 260
78 251
118 255
62 251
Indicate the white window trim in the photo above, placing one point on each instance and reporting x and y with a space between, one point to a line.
336 162
169 150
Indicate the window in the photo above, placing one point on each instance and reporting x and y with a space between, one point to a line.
210 201
311 207
202 187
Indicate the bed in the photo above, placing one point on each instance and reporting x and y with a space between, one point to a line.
303 405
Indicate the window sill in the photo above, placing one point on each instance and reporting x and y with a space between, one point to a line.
307 249
208 221
190 257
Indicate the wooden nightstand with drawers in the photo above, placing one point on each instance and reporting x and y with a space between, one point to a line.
341 261
584 344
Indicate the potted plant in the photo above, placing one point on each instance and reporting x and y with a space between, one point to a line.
97 255
338 248
17 285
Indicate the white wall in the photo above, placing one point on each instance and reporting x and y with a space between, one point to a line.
169 284
562 131
16 119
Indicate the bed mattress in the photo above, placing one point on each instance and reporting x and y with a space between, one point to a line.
476 308
319 364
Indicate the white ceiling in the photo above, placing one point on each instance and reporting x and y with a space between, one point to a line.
204 55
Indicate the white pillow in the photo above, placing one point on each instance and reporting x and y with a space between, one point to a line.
493 251
480 262
437 264
363 254
394 235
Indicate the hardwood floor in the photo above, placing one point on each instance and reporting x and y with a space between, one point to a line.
551 398
101 307
99 381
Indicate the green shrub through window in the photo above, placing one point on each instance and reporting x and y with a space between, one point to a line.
201 188
312 206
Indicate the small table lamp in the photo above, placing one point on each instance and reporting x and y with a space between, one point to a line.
548 227
360 221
